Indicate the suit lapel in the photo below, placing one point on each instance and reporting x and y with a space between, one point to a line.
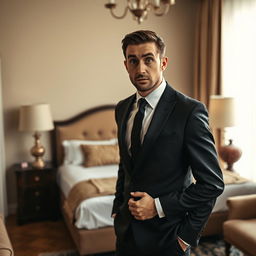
163 110
124 120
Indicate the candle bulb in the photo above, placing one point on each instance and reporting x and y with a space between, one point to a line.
134 5
157 3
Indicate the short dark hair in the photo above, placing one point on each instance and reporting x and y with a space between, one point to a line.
141 37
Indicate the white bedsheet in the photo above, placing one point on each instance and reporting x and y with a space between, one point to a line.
96 212
69 175
233 190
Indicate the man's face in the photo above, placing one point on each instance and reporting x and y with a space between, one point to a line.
145 67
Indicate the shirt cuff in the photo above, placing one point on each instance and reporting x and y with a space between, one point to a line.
184 242
159 208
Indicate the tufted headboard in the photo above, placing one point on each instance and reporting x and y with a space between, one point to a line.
94 124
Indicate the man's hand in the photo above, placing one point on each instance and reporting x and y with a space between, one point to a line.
144 208
113 215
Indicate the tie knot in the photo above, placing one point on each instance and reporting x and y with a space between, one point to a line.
142 104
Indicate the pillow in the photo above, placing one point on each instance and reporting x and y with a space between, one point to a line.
73 153
96 155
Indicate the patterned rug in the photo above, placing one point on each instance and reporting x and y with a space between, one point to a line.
205 248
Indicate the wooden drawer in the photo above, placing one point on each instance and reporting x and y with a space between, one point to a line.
34 210
34 179
35 200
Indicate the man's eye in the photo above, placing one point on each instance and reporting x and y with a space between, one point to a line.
149 60
133 61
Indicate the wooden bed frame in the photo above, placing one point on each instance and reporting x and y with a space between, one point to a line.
99 124
94 124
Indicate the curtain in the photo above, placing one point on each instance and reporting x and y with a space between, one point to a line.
207 75
3 200
207 52
238 77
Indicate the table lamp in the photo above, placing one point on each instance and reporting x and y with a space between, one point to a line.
222 115
36 118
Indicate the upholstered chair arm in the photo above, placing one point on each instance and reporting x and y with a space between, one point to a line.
5 244
242 207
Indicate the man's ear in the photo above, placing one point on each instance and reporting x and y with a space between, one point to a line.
164 63
125 64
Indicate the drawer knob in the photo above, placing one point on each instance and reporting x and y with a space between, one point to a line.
36 178
37 193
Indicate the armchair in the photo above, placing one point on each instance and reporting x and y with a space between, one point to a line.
5 244
240 228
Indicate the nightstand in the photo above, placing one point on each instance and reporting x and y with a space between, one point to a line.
37 193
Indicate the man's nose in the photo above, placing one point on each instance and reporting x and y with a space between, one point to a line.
141 68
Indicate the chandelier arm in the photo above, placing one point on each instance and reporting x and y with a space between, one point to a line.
165 11
119 17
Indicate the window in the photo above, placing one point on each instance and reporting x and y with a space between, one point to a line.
239 77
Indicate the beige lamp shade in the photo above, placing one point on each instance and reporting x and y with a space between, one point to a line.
35 118
221 111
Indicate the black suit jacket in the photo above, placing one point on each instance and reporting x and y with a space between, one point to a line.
178 142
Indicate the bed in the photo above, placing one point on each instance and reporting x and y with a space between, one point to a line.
89 221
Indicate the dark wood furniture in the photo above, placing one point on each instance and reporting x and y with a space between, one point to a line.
37 193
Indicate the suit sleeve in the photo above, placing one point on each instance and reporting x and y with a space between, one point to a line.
198 199
120 180
119 190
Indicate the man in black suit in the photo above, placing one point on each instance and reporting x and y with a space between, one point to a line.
164 138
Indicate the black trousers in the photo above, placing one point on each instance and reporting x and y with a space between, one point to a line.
128 247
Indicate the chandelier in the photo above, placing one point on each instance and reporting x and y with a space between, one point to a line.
140 8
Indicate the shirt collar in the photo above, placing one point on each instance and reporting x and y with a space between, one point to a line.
154 96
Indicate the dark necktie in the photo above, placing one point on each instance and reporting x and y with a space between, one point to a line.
136 129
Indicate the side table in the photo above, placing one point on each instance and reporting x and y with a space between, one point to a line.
37 193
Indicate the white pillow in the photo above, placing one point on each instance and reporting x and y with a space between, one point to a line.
73 153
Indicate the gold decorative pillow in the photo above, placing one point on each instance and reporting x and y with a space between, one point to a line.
96 155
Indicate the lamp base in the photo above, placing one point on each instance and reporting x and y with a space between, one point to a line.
38 163
38 151
230 154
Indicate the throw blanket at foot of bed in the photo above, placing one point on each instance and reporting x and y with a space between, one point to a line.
232 178
90 188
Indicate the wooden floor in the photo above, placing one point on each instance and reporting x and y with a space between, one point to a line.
33 238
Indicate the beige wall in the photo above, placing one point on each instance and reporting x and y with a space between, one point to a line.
68 53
